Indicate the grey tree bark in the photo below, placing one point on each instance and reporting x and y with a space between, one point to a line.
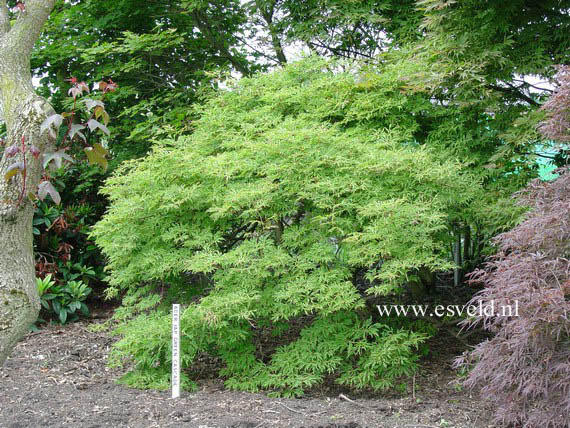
23 113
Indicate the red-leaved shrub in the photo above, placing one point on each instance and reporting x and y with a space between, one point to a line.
557 125
525 367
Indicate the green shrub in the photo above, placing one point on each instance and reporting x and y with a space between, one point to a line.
64 302
61 245
299 193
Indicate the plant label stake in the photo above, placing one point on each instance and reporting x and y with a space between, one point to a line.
175 351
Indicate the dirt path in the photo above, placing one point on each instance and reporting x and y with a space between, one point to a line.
58 378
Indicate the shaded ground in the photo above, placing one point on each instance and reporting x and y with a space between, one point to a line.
57 378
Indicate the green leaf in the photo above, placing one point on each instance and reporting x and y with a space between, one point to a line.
100 149
63 315
101 114
84 309
96 157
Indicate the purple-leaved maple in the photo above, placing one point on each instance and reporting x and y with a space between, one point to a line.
525 367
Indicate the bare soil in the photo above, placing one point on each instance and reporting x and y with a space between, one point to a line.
58 378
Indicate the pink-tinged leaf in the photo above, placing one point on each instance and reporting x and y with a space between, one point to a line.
72 79
89 103
13 170
57 157
34 151
75 92
52 122
108 86
76 130
46 188
21 6
83 86
12 151
111 86
93 125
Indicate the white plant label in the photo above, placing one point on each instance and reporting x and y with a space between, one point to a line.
175 351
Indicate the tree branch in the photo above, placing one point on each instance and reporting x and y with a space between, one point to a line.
346 53
267 15
4 18
257 51
514 91
28 27
213 37
524 82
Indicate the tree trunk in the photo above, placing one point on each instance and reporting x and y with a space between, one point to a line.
19 301
23 112
467 255
457 258
267 10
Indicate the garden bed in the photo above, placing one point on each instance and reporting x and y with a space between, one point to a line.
58 377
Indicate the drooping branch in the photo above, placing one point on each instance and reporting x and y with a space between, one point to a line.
4 18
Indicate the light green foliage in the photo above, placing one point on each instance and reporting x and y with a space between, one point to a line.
292 184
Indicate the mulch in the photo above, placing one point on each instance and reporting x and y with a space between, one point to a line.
58 377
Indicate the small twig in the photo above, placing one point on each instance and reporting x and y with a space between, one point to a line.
290 409
344 397
414 387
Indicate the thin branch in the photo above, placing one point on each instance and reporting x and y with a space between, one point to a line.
534 86
257 51
539 155
513 90
268 15
344 397
346 53
4 18
206 28
291 410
